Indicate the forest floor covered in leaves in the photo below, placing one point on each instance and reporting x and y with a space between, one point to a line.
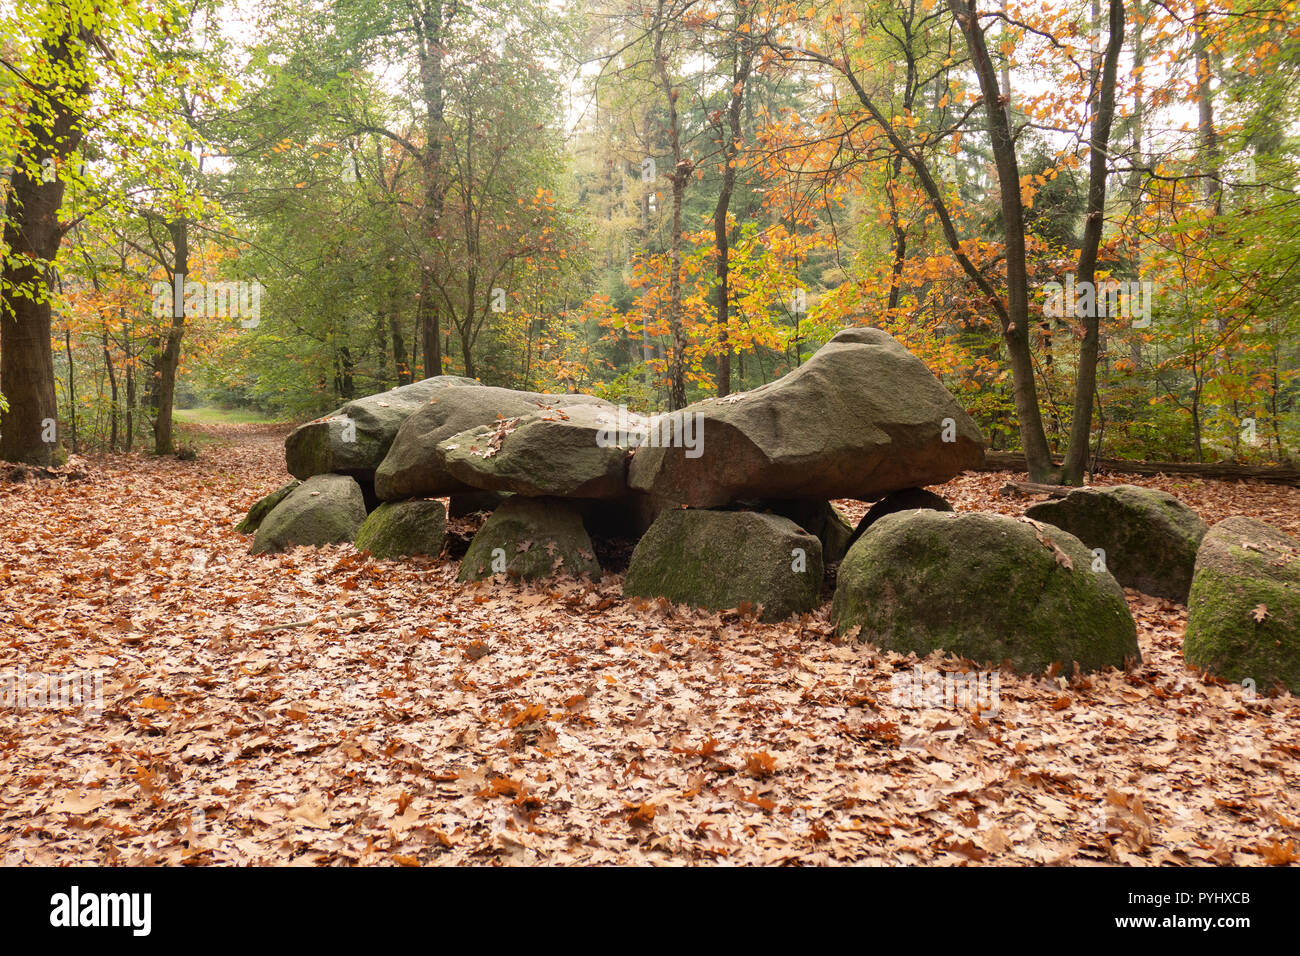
418 721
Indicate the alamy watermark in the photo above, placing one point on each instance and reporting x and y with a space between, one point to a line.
78 689
953 690
1129 299
217 300
627 429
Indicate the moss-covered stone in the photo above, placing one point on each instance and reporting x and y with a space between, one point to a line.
324 509
263 507
984 587
721 559
1150 537
399 529
531 538
1245 570
908 499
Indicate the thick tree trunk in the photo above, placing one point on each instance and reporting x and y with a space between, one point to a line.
167 362
33 233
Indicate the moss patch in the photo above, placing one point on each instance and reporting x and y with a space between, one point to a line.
264 506
399 529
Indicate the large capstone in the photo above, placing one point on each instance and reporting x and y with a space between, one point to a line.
324 509
984 587
353 440
1243 615
414 466
722 559
574 452
1149 537
861 418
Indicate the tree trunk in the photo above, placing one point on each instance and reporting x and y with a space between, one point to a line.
112 388
32 233
404 376
1209 140
682 169
1076 455
130 396
167 362
430 28
347 389
742 62
1016 324
72 388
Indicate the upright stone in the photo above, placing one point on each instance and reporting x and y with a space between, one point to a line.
1149 537
263 507
908 499
984 587
400 529
722 559
531 538
324 509
1243 616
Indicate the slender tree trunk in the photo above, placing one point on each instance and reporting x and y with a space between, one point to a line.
130 396
347 385
33 233
112 387
1076 454
72 388
1016 326
742 61
430 27
404 376
682 169
1209 139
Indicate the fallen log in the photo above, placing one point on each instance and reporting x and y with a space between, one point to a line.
1220 470
1027 488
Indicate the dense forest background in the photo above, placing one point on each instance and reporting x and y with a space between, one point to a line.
654 201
